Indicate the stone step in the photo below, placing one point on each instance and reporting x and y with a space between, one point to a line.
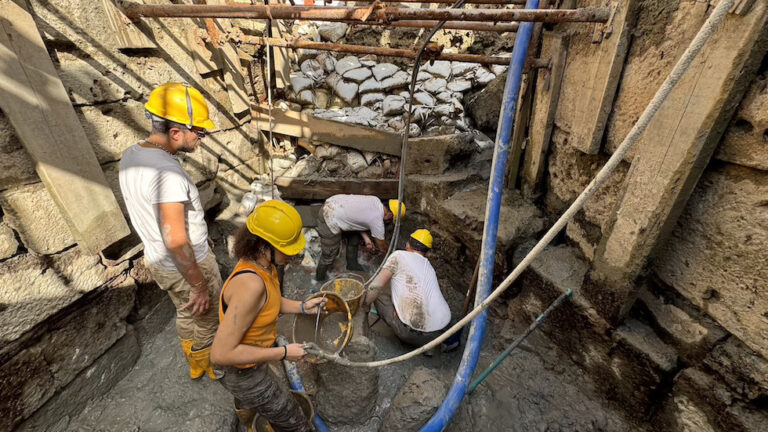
643 342
463 214
692 336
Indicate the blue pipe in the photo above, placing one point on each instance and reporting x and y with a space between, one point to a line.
455 395
294 379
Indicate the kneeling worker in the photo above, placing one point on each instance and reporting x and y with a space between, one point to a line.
351 216
248 309
414 307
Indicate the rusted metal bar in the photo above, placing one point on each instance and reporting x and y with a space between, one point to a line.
490 2
383 15
449 25
382 51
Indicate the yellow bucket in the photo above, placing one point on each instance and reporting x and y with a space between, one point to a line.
348 286
333 329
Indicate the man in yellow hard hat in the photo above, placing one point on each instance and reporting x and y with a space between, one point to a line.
353 216
408 297
165 211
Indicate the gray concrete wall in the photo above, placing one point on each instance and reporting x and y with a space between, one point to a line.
61 309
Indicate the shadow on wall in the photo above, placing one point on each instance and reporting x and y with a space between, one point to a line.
90 42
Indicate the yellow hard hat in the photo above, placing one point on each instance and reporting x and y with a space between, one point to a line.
423 236
393 206
279 224
179 103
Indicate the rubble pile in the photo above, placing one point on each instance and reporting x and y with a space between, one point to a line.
367 91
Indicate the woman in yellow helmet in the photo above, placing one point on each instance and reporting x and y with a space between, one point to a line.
249 305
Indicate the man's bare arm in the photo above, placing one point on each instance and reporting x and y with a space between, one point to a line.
173 229
378 285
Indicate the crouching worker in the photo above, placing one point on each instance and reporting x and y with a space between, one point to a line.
352 216
407 295
248 309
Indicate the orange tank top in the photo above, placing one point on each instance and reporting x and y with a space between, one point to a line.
263 330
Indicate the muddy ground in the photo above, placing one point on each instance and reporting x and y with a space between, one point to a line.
536 388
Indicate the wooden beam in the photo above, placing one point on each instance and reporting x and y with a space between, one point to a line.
603 80
544 109
301 125
320 189
280 55
230 63
36 102
520 131
672 154
125 31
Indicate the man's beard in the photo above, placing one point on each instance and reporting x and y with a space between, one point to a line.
189 147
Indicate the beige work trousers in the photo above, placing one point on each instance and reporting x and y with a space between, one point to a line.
201 328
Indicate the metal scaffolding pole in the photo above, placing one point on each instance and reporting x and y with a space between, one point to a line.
449 25
383 15
382 51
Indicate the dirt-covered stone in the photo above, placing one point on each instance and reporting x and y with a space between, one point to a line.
483 105
90 383
416 401
348 395
157 394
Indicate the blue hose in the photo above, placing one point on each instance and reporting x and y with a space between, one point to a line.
294 379
455 395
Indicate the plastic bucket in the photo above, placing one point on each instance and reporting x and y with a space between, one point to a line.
334 329
348 286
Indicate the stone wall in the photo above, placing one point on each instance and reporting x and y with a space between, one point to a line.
71 323
701 321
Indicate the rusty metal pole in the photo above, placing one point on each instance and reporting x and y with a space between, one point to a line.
383 15
449 25
382 51
489 2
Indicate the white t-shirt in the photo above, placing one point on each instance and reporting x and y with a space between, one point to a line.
415 292
152 176
354 213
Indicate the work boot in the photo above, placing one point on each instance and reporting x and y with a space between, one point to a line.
245 416
195 371
202 358
322 272
352 264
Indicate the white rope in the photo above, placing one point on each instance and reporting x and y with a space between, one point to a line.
709 27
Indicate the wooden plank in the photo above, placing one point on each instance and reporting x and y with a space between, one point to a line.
230 63
301 125
36 102
520 131
280 55
320 189
525 105
672 154
543 113
599 91
127 34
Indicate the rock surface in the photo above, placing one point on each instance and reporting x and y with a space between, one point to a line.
416 401
725 209
31 211
8 243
